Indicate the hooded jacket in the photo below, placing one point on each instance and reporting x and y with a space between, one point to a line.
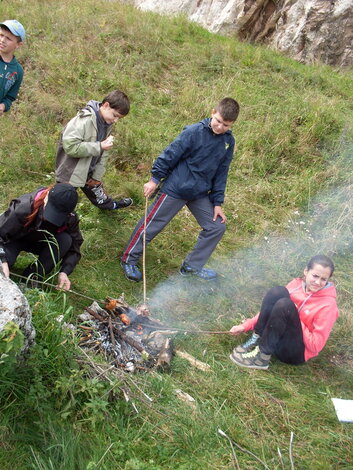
196 164
11 75
12 223
317 313
79 155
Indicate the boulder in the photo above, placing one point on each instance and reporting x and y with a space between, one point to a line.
14 307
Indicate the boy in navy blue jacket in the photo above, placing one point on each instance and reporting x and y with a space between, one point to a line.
192 171
12 34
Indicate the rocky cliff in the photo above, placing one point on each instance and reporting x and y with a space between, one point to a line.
307 30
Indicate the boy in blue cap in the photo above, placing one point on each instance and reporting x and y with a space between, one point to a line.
12 35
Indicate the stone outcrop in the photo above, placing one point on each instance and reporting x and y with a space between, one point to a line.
307 30
14 307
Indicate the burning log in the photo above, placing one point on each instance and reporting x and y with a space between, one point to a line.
129 337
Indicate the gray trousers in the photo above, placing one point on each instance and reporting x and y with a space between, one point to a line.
160 213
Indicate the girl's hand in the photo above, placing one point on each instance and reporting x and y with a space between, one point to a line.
63 282
236 330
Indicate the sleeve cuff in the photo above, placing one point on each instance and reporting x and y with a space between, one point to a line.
2 255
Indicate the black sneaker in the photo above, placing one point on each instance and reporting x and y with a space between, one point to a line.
203 273
122 203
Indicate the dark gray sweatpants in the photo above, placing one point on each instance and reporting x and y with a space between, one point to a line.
160 213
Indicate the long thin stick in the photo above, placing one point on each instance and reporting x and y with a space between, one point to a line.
196 332
45 283
144 255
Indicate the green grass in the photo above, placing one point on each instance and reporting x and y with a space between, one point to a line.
288 197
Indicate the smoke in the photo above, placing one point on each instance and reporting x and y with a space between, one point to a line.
274 259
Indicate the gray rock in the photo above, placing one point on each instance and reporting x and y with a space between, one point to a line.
14 307
307 30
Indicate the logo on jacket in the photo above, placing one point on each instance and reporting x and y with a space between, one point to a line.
227 145
11 78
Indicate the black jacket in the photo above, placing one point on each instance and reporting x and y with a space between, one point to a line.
12 227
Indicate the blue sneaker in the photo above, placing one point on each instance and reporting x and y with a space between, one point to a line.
203 273
131 272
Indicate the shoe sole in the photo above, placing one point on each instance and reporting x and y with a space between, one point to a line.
197 277
241 350
132 280
233 359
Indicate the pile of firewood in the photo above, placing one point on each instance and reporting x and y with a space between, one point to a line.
128 338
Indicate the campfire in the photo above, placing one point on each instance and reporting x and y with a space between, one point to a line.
128 338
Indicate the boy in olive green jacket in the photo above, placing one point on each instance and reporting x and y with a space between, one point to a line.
83 146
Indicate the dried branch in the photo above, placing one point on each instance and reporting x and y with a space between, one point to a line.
291 449
222 433
195 362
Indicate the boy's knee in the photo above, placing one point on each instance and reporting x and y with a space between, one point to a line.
219 229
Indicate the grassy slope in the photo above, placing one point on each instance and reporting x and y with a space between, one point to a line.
293 119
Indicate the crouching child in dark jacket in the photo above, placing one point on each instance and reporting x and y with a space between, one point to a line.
42 223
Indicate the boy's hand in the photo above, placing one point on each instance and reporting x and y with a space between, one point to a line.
2 109
218 212
63 282
149 188
236 330
107 144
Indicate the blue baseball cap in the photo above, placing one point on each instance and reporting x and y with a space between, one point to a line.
15 27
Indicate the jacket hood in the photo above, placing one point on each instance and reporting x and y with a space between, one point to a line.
94 105
298 284
207 123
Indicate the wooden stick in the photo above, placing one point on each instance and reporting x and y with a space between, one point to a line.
195 362
290 450
144 254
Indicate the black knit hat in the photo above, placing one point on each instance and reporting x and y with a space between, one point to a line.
62 200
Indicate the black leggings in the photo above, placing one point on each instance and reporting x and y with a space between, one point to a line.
98 197
49 248
280 328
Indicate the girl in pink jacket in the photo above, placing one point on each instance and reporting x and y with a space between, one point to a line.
294 322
